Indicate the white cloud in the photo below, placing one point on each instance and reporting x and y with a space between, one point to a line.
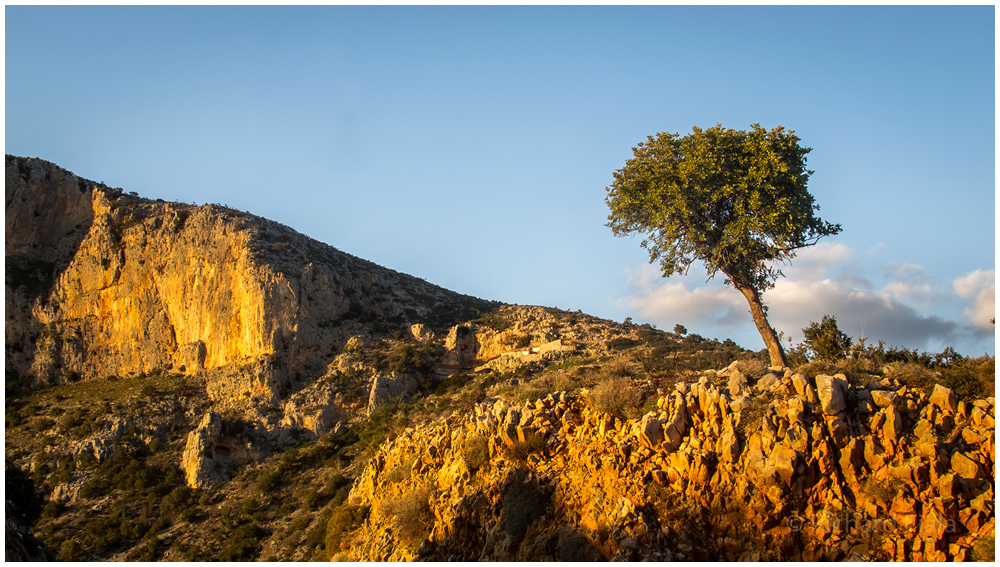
980 286
826 279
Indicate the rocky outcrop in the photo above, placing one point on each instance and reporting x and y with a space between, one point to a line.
103 283
208 456
762 473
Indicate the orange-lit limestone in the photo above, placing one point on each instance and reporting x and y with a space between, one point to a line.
765 475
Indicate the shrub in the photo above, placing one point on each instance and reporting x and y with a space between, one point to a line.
476 452
400 472
911 374
299 524
411 514
620 343
825 339
243 543
70 550
520 451
972 378
344 520
616 396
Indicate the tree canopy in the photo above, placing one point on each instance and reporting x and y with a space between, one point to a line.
735 200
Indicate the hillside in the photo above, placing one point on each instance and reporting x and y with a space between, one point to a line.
197 383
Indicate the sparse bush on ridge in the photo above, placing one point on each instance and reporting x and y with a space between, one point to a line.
411 514
616 396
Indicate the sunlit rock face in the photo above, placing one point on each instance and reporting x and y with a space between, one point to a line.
101 283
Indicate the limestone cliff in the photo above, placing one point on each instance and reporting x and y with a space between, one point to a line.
103 283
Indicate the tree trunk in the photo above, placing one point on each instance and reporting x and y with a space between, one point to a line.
763 327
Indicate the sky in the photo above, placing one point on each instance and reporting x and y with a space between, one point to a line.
472 146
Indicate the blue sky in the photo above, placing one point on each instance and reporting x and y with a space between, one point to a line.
471 146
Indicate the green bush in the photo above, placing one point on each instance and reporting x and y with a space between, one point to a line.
621 343
342 522
243 543
521 450
971 378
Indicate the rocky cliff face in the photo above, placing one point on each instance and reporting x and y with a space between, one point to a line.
102 283
786 468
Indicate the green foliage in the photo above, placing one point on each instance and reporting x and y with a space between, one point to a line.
971 378
343 521
734 200
825 339
620 343
984 547
520 451
70 550
476 452
680 329
244 543
495 320
616 396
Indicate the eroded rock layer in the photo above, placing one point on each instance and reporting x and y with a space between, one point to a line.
787 468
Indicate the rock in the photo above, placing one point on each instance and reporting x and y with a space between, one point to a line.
207 454
893 427
831 394
728 447
385 388
767 382
421 333
800 382
883 398
783 459
944 398
737 382
146 286
650 431
965 467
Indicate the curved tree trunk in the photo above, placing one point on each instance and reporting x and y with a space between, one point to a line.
763 327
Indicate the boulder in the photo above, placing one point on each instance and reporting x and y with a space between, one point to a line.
737 383
385 388
964 467
421 332
883 398
944 398
649 431
831 394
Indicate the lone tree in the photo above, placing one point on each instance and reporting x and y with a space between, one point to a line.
735 200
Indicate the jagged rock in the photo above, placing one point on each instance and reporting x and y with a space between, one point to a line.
737 382
208 456
421 332
392 386
831 394
964 466
138 286
883 398
649 431
944 398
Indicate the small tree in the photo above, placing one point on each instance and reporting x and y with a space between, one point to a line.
825 339
680 329
734 200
